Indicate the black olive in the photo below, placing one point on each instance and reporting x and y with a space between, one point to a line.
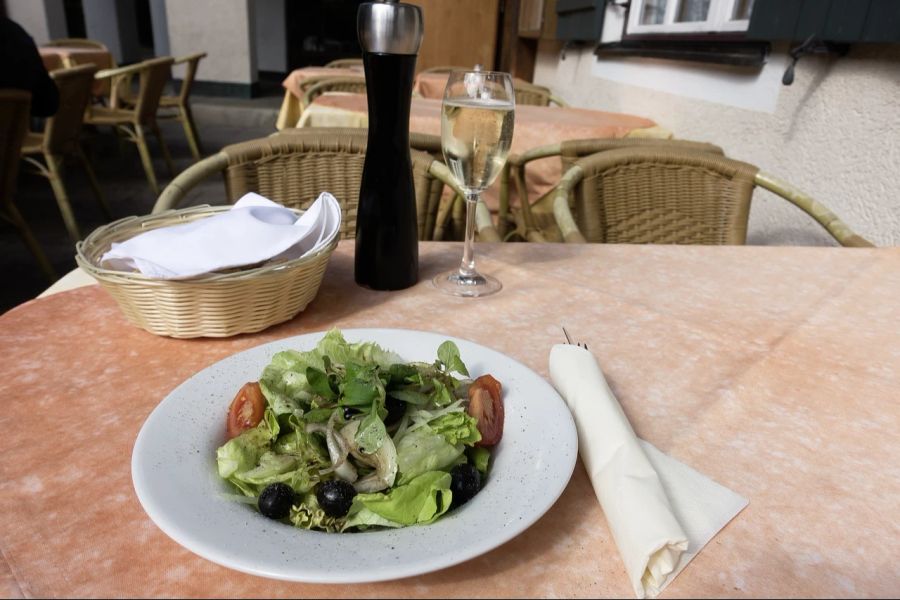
335 497
276 500
395 408
349 413
465 483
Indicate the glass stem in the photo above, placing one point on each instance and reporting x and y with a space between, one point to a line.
467 265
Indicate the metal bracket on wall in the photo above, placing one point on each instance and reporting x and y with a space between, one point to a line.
811 46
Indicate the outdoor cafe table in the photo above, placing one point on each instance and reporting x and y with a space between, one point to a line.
293 94
425 85
534 126
773 370
59 57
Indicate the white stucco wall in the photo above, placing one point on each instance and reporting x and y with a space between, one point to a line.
834 133
221 28
44 20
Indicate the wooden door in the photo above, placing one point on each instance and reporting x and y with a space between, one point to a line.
458 33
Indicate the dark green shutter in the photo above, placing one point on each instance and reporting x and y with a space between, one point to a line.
846 21
883 22
579 20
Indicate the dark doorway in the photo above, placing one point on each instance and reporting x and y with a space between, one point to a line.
74 12
144 27
320 31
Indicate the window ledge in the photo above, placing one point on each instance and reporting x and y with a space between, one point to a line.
745 54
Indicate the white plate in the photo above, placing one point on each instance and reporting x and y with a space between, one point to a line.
174 473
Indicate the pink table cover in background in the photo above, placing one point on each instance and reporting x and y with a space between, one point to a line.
534 126
58 57
773 370
431 85
296 77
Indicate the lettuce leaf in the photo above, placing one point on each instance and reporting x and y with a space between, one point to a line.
457 428
362 518
422 500
423 450
448 355
480 457
309 515
284 381
242 453
341 351
268 469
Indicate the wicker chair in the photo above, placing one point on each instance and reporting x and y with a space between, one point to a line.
534 220
293 168
61 138
535 95
450 219
666 196
353 85
345 63
133 122
15 111
176 107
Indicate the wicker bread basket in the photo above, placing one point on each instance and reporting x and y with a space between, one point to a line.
213 305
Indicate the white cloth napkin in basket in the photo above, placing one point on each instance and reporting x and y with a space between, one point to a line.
253 231
660 511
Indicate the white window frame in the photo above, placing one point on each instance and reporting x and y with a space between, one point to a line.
718 19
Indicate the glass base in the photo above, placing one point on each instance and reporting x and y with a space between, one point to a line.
469 286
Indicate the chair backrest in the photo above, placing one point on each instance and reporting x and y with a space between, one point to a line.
192 62
531 95
294 168
62 130
444 69
354 85
571 150
345 63
77 43
15 112
663 196
154 74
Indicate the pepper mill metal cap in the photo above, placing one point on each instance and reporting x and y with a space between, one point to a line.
389 27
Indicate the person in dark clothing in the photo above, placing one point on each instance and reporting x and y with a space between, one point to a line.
21 68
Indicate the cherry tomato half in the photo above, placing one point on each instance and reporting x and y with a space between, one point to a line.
246 410
486 406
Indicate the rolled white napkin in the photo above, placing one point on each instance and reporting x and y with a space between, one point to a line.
253 231
660 511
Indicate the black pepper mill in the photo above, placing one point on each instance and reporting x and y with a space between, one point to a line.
387 251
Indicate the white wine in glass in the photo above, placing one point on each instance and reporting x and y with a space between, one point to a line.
476 131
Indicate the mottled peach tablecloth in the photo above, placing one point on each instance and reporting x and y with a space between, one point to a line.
774 371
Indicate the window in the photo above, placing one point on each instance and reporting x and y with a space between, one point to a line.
688 16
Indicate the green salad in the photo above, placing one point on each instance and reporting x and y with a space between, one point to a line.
349 437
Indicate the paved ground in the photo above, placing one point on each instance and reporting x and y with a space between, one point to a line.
220 121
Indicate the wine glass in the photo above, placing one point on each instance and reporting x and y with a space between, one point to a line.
476 131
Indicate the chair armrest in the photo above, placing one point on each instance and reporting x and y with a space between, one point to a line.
131 69
117 72
189 58
554 99
564 219
187 180
818 211
484 225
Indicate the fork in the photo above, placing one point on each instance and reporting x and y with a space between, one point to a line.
569 340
